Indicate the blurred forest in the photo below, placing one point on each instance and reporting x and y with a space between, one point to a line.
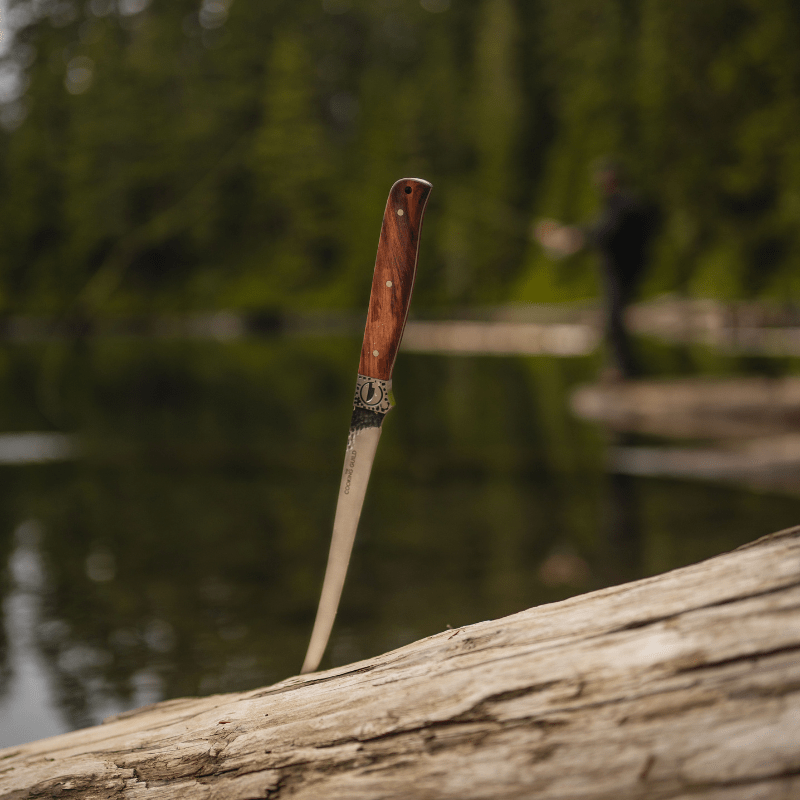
191 155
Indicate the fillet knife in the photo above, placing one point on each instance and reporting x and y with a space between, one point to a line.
392 283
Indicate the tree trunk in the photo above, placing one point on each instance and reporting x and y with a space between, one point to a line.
682 685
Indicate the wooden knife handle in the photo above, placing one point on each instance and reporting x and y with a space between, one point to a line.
393 281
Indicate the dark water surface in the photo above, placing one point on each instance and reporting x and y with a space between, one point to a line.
182 551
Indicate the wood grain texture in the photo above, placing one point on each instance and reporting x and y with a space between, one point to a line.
393 280
685 685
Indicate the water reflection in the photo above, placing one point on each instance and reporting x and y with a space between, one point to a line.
29 700
742 430
622 535
183 552
35 447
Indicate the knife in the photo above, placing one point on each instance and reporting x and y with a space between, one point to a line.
392 284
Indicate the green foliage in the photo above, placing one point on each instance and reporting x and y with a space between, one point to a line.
702 101
186 157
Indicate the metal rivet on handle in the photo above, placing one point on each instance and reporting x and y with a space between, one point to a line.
375 353
399 212
389 284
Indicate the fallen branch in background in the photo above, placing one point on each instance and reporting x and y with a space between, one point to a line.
748 428
682 685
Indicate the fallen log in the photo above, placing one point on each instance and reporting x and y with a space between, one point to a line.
694 408
682 685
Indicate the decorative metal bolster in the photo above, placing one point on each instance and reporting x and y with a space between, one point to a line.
373 394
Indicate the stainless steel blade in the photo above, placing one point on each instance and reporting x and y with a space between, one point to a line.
361 446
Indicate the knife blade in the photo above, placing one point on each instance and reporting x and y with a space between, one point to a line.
392 284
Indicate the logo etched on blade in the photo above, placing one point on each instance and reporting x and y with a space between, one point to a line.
349 472
371 393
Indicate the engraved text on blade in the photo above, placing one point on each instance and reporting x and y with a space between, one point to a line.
351 464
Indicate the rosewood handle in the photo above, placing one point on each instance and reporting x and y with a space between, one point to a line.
393 281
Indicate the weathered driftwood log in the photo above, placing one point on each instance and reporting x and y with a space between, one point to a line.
754 421
694 408
682 685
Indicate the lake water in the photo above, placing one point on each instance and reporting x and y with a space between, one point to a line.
174 539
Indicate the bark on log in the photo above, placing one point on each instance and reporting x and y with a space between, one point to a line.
682 685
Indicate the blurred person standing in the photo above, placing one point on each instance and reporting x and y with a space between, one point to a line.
621 233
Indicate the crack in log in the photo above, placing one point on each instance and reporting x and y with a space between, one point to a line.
744 657
670 711
310 682
707 786
638 696
763 692
234 772
163 767
648 766
643 623
478 711
425 731
73 786
285 782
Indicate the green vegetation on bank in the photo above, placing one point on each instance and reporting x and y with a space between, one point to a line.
177 155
